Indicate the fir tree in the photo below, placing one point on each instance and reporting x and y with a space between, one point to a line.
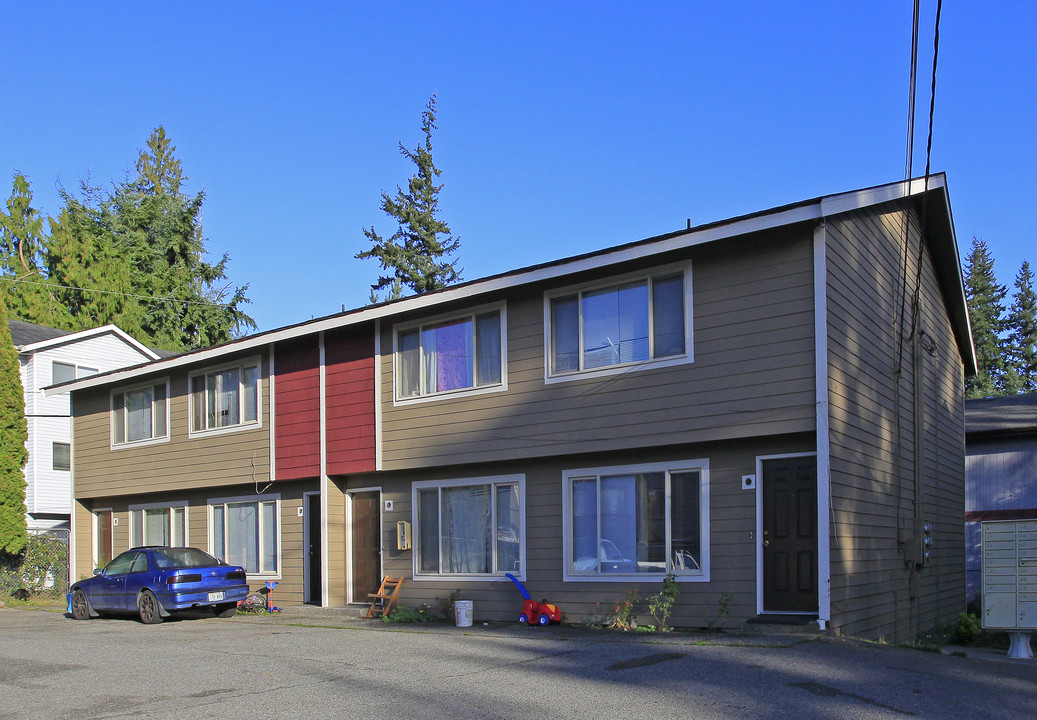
24 247
985 300
13 434
1021 326
415 255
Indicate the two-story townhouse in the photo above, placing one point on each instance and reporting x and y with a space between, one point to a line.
750 405
48 356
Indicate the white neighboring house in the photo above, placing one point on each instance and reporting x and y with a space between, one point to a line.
47 356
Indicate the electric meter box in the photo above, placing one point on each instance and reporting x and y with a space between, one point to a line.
1010 574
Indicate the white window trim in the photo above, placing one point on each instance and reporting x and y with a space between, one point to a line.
651 363
111 416
502 386
165 506
701 465
241 426
418 576
53 444
276 497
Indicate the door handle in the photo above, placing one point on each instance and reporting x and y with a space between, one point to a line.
766 543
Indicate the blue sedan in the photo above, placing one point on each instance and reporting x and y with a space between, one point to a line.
156 581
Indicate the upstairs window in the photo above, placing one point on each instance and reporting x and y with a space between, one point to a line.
139 414
643 320
456 354
62 456
224 398
66 372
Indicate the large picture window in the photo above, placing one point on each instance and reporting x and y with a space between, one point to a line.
245 531
164 524
228 397
639 321
470 527
637 521
460 353
139 414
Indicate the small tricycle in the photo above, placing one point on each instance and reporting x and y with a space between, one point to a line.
540 613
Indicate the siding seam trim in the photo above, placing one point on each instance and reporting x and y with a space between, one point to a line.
824 564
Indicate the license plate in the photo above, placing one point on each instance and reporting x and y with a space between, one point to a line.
215 597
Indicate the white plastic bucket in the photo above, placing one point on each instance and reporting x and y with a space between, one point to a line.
463 612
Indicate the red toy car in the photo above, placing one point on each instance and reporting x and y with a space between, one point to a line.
541 613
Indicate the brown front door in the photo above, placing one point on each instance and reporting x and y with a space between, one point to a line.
790 535
104 537
367 546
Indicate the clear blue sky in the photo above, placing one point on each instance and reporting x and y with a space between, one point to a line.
564 127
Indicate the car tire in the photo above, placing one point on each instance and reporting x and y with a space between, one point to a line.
148 608
227 610
80 605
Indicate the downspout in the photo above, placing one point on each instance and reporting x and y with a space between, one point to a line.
821 407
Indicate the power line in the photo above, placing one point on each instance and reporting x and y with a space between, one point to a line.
16 281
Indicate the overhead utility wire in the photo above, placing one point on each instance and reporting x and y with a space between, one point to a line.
114 292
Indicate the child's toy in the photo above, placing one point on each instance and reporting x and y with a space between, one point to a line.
541 613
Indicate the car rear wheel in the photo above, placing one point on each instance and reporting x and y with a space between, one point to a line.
227 610
80 606
147 608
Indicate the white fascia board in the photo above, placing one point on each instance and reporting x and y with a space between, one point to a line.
846 202
86 335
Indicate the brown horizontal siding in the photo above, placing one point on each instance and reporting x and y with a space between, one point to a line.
732 525
239 456
873 503
752 374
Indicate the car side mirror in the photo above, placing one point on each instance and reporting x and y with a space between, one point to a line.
98 571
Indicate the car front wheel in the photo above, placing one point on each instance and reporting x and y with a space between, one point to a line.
147 608
80 606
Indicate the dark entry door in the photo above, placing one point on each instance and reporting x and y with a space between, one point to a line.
313 551
367 545
790 535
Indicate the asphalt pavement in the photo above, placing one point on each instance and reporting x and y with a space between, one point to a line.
319 663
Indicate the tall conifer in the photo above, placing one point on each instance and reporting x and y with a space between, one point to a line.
415 255
13 434
985 300
1021 345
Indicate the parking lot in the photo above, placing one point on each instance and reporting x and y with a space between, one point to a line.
320 664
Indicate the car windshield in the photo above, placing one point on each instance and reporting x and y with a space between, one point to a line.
184 558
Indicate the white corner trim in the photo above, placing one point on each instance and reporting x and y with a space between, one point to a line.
323 383
824 499
378 394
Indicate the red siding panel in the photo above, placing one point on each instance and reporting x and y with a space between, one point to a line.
297 407
349 408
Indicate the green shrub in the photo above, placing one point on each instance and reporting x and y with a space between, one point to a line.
400 614
661 605
967 630
446 605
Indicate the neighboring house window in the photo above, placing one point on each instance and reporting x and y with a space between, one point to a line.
139 414
469 527
245 531
637 521
158 524
228 397
642 320
66 372
459 353
62 453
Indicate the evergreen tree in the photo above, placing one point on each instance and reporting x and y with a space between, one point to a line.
1021 348
985 300
159 229
84 252
13 434
415 255
24 281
